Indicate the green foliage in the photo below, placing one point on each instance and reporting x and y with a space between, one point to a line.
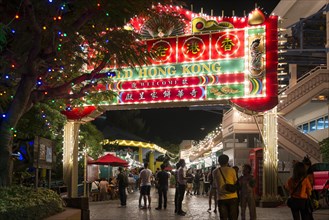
44 120
324 147
28 203
91 138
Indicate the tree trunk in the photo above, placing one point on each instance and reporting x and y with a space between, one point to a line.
6 163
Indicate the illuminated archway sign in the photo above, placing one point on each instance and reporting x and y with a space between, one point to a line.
222 60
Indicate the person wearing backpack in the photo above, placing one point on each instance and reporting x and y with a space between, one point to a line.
122 184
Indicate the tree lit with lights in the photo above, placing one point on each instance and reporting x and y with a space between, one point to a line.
44 47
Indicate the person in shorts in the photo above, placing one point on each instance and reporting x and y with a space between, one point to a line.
145 184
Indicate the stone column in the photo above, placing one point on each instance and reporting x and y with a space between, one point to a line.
70 157
270 161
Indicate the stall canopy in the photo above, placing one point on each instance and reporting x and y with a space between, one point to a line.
110 159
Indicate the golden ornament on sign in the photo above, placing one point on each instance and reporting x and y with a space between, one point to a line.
256 17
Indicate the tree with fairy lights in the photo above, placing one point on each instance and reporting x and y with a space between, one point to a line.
55 52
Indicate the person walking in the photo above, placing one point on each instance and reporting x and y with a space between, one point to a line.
212 190
246 190
181 187
227 200
196 183
189 182
206 183
176 186
139 187
300 189
122 184
162 178
145 179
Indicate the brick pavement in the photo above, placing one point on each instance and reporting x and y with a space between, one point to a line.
195 206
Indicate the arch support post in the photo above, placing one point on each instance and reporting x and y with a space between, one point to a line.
70 157
270 196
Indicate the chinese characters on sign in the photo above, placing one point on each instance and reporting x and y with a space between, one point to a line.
225 60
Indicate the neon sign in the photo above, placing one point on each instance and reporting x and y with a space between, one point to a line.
221 60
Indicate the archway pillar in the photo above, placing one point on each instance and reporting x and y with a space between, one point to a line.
270 196
70 157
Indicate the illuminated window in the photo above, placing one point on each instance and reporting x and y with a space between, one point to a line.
320 123
313 125
305 128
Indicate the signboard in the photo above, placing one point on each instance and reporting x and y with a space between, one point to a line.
220 60
44 153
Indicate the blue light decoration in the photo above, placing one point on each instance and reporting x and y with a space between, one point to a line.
111 74
22 151
13 31
50 1
3 115
39 82
7 76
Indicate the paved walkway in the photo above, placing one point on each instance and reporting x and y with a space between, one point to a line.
195 206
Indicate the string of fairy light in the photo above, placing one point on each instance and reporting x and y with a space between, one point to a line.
62 7
207 143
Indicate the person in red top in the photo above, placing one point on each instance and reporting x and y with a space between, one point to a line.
300 189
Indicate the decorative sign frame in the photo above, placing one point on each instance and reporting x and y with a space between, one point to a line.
221 60
218 61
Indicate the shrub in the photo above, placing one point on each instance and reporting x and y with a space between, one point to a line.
18 202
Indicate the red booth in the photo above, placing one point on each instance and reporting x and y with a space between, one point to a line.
256 162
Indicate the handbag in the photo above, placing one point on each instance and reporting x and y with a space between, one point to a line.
310 205
290 202
232 188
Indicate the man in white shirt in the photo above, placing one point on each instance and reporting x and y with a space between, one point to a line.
145 183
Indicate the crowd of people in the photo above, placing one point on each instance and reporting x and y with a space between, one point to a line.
226 190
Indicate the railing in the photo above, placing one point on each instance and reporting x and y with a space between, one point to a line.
294 141
307 86
312 71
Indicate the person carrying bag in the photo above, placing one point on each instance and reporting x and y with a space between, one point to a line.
231 188
299 189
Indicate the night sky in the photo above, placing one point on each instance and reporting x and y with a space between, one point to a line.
176 124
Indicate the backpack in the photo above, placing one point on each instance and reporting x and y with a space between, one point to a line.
125 180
